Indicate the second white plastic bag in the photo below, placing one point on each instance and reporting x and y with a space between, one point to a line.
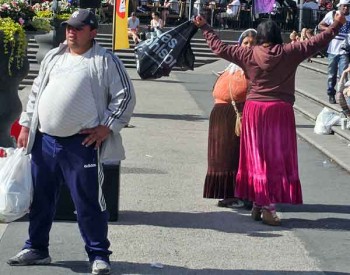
16 187
325 120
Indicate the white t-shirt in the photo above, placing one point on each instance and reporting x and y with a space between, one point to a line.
335 44
233 7
67 105
155 24
133 24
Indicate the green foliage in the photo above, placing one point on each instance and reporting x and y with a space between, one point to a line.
61 12
41 23
14 42
62 16
44 14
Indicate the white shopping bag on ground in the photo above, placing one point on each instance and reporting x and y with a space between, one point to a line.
16 188
325 120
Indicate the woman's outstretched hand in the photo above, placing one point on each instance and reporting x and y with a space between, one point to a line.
199 21
340 17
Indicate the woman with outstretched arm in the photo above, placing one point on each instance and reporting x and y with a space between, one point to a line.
268 165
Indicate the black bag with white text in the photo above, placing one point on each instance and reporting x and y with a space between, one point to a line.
157 56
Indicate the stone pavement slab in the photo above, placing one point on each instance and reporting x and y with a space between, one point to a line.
164 218
66 248
2 229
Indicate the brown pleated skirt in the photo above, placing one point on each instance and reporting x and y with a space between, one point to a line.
223 153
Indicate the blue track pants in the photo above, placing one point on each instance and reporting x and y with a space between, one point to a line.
56 160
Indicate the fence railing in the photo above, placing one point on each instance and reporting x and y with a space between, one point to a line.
287 18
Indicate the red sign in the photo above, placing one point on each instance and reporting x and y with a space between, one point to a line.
120 8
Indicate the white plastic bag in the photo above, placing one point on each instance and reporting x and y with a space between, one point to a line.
325 120
16 188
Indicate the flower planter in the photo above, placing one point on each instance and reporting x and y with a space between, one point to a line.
46 43
59 32
50 40
10 104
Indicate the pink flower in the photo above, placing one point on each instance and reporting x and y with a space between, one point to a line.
21 21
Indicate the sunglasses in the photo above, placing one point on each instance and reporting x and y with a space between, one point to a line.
70 28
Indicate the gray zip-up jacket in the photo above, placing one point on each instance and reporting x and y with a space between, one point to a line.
112 90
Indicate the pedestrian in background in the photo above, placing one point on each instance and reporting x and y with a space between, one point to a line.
79 102
306 34
343 95
169 7
156 25
133 28
268 164
229 93
293 36
338 58
232 9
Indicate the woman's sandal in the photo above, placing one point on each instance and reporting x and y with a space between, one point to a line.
270 218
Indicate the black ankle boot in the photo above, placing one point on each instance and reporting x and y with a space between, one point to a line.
332 99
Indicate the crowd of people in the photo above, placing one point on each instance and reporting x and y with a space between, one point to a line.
154 29
305 34
338 57
337 52
221 13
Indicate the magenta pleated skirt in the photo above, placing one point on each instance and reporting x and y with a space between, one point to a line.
268 164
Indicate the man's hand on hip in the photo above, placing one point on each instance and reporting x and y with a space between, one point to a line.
95 135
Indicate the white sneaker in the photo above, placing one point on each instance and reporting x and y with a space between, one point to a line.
30 257
100 267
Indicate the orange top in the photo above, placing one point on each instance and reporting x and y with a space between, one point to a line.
231 87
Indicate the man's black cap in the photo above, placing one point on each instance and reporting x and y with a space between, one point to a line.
81 18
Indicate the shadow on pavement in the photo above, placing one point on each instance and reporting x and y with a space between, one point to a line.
75 266
304 126
137 268
324 224
82 267
229 222
171 117
235 222
316 208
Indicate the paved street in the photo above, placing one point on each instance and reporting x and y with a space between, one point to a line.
165 225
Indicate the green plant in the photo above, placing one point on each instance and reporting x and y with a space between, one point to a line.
62 16
64 10
14 42
44 14
61 10
41 23
18 10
